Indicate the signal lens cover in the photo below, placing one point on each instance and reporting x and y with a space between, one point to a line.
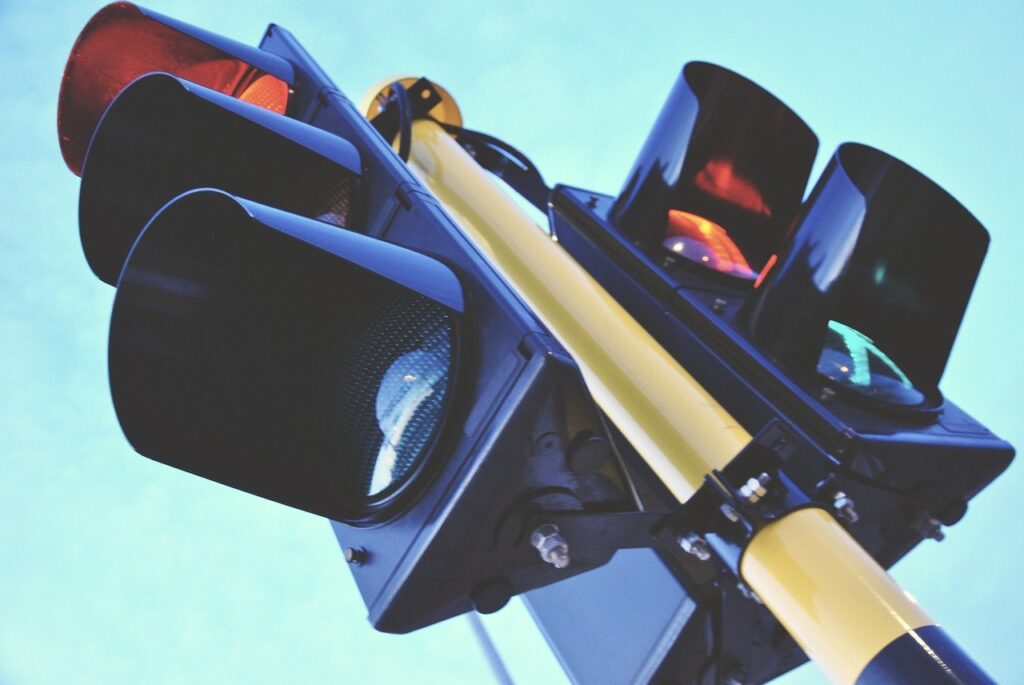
388 378
706 243
852 360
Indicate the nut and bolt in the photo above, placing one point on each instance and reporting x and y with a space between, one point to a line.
844 507
932 528
737 676
553 548
691 543
755 488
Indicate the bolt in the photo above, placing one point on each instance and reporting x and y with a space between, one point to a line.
755 488
730 512
844 506
592 201
932 528
736 676
747 592
826 395
552 546
588 453
356 556
548 442
718 306
691 543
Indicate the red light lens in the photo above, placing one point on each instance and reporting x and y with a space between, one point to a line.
267 92
706 243
121 43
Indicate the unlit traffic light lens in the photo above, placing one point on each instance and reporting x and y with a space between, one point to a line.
388 377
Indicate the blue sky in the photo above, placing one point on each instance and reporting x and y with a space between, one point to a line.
117 569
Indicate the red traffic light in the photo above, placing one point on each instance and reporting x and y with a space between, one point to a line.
725 151
123 41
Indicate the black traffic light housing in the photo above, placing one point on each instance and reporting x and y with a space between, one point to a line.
297 317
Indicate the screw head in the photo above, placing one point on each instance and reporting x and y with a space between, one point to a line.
356 556
933 530
844 506
747 592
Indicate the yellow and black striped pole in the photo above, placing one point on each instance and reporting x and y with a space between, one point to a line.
844 610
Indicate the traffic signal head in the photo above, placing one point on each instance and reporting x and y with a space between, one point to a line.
297 317
822 327
872 283
162 136
124 41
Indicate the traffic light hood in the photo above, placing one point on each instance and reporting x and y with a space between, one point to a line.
163 136
723 149
880 250
123 41
283 356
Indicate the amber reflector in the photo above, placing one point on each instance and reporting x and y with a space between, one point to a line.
706 243
122 42
719 179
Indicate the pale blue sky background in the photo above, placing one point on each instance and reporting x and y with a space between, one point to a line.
115 569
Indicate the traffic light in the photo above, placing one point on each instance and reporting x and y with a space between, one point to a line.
822 326
348 316
296 317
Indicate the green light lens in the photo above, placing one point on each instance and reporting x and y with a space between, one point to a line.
852 360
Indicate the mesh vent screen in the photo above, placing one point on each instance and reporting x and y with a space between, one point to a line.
387 382
325 195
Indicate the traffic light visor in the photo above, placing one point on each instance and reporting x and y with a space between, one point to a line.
728 152
162 136
282 356
123 41
873 281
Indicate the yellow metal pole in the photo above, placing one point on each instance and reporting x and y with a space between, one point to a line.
665 414
838 604
831 596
